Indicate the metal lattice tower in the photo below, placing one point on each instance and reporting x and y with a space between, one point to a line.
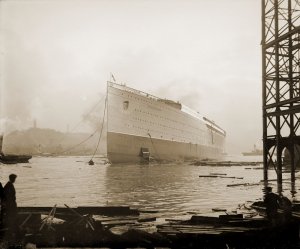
281 83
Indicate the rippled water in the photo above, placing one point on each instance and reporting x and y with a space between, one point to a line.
173 189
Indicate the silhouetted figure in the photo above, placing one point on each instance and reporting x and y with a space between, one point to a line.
9 203
1 203
271 201
286 206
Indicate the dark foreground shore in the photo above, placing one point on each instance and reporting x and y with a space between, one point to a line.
123 227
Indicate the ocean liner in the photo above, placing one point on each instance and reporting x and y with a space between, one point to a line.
141 127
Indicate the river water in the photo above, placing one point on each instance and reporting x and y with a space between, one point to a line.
171 189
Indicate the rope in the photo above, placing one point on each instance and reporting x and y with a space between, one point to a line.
105 107
76 145
83 141
89 112
92 109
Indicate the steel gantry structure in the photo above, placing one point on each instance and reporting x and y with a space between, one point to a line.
281 84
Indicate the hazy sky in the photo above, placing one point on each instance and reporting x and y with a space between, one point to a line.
56 57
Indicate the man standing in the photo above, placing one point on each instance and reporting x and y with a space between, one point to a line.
1 204
271 201
9 202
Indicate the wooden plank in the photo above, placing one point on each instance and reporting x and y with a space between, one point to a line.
228 217
147 219
196 218
218 176
243 184
96 210
219 210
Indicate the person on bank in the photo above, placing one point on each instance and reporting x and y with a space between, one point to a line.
1 203
286 205
272 202
9 202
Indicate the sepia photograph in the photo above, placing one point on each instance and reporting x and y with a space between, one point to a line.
150 124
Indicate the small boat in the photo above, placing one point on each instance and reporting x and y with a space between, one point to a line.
10 158
254 152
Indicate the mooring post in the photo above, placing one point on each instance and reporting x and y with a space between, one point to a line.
293 188
279 168
292 155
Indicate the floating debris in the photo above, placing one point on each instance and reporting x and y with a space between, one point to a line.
122 227
220 176
224 163
243 184
233 230
219 210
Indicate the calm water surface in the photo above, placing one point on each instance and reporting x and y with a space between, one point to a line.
173 189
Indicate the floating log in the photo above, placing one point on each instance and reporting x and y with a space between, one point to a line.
242 184
219 176
224 163
148 219
203 219
117 223
148 211
228 217
212 176
219 210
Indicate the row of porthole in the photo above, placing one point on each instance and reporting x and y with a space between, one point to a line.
200 141
216 145
141 99
179 130
141 120
129 96
166 119
171 120
185 124
160 132
217 137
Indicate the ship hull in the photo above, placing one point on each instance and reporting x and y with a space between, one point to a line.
252 154
124 148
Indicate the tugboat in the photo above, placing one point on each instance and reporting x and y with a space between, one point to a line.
254 152
12 159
